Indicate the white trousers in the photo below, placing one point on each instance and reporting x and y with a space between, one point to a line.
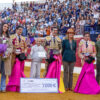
35 70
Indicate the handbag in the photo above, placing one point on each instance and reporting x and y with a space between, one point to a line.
22 57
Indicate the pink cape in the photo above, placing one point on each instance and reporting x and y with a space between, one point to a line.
14 79
87 83
54 70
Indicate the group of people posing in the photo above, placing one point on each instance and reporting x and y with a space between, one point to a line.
55 52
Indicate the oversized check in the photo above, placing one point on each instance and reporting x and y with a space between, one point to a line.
42 85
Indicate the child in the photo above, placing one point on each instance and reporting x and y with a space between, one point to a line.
37 53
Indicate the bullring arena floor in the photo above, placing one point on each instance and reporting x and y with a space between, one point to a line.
47 96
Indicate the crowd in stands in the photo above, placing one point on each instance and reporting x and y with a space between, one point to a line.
38 19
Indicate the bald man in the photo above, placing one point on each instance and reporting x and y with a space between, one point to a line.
36 59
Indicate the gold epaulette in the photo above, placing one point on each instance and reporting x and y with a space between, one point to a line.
81 43
13 36
64 38
23 38
58 39
48 38
93 43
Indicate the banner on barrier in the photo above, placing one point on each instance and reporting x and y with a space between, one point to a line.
42 85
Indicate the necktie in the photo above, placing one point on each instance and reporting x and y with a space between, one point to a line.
19 39
86 44
54 39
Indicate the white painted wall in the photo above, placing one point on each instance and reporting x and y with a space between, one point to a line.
6 1
77 70
40 1
5 4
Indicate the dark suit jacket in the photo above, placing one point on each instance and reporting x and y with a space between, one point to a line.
98 50
0 28
68 54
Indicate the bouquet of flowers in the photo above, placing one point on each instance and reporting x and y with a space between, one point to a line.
3 47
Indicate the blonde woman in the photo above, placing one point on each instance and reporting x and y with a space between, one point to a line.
69 58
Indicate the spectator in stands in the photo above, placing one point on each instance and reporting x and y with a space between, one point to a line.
98 26
77 27
92 26
82 23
